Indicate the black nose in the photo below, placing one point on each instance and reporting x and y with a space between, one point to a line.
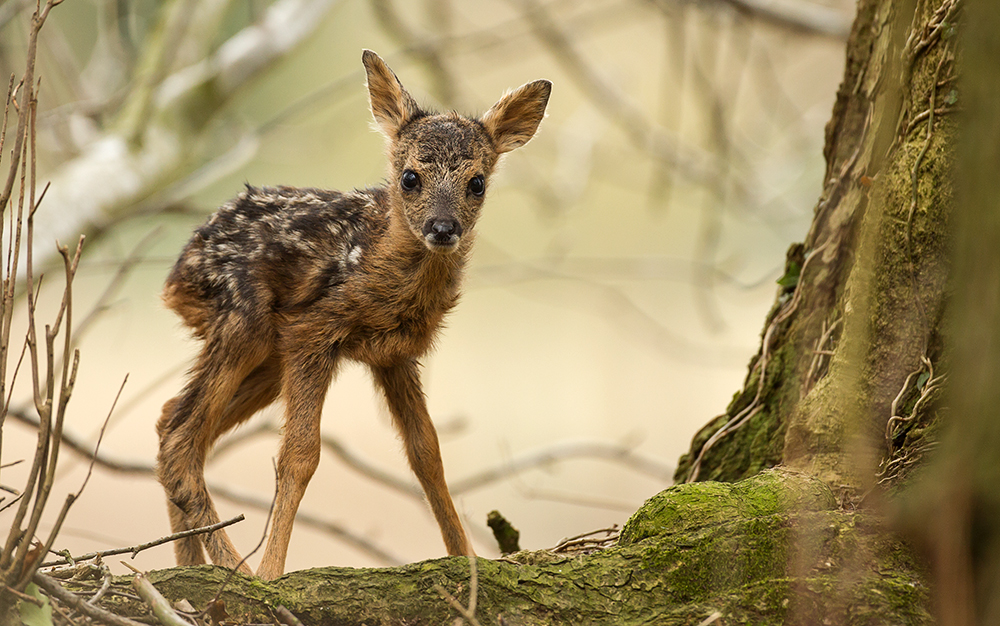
442 230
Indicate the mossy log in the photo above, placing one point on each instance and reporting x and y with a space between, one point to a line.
773 549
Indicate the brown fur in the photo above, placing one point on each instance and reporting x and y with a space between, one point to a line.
281 284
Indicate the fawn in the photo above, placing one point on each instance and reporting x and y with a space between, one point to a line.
282 283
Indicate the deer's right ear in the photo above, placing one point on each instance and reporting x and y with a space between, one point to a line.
392 106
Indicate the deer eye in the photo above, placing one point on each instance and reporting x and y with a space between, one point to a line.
477 186
410 181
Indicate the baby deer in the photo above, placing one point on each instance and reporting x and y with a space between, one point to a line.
281 284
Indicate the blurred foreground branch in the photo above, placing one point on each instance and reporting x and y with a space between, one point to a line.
158 129
49 365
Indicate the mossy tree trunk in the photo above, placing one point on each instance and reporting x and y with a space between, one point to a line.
845 381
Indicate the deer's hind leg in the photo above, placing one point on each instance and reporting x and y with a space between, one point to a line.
226 387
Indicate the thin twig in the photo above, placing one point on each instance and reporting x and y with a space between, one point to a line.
66 388
469 613
12 502
135 550
121 273
24 596
105 585
610 535
100 437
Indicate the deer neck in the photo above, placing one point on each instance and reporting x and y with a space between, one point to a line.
422 278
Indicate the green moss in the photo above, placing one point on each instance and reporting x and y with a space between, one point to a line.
696 505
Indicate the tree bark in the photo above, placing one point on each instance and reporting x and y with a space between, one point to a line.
855 334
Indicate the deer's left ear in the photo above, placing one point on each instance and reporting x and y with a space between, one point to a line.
392 106
513 120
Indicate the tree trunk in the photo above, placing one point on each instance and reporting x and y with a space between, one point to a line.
845 377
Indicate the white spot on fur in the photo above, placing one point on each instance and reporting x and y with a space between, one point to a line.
354 255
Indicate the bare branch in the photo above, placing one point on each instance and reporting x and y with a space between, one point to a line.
622 455
693 163
135 550
797 15
55 590
84 449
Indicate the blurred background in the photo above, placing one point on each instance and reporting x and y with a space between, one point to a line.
624 264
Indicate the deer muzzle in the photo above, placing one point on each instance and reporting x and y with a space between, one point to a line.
441 234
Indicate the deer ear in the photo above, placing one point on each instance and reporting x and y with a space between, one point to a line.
391 105
513 120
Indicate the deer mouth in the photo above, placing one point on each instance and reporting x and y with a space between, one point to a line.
435 244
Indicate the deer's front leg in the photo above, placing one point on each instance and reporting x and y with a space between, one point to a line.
401 386
304 384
